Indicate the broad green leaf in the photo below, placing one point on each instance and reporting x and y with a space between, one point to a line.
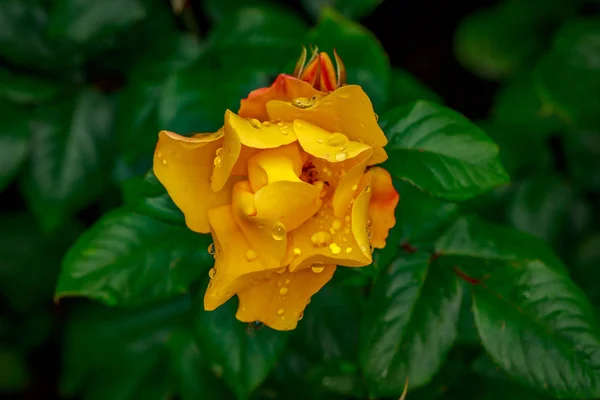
149 197
366 62
476 243
14 374
130 259
540 207
26 89
467 331
350 9
522 150
195 98
532 319
451 371
267 38
242 355
71 156
441 152
82 21
568 77
142 353
409 325
14 142
25 41
518 107
30 261
582 149
406 88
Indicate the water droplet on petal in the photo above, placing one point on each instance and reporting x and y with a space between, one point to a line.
219 150
334 248
348 250
341 156
255 123
336 224
287 281
337 139
302 102
376 117
211 249
354 187
218 161
321 238
281 271
283 291
317 269
320 141
250 255
159 154
368 189
280 124
347 218
297 251
278 231
266 124
301 316
164 162
211 273
280 311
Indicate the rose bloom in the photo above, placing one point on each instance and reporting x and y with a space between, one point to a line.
288 188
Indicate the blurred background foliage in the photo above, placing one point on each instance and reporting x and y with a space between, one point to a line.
85 85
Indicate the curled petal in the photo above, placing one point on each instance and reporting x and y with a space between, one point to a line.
348 184
382 206
184 165
379 156
347 110
258 135
268 166
326 239
333 147
279 300
285 88
234 269
266 236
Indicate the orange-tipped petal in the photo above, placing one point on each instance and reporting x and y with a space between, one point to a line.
347 110
328 77
348 185
285 87
184 165
341 69
279 300
382 206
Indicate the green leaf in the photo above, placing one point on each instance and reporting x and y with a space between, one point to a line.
218 9
366 62
440 151
30 260
24 39
266 38
14 142
195 98
409 325
14 374
243 356
82 21
349 9
130 259
476 243
71 152
26 89
532 319
142 353
568 77
582 150
406 88
584 270
540 207
149 197
453 368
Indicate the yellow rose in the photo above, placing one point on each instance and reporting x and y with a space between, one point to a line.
288 190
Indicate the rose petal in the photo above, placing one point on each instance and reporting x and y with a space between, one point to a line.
382 206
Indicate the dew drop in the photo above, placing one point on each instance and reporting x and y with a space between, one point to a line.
243 308
308 301
281 271
250 255
266 124
297 251
219 150
336 224
280 311
211 249
283 291
255 123
348 250
218 161
278 231
354 187
280 124
302 102
164 162
159 154
376 117
368 189
211 273
332 231
287 281
347 218
341 156
337 139
301 316
321 238
320 141
334 248
317 269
